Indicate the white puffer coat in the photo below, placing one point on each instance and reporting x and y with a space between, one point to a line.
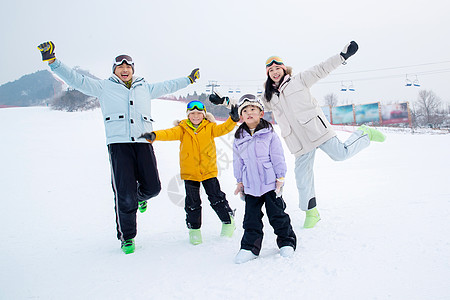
302 122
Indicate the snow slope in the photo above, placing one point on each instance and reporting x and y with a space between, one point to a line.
384 232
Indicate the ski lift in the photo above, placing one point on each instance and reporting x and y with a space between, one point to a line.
343 87
230 91
259 92
208 90
350 87
416 82
238 91
408 82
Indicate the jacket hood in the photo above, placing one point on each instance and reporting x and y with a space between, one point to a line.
209 116
289 70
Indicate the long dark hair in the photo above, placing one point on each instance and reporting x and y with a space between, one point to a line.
263 123
269 88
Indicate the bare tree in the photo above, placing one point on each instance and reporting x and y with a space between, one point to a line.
73 100
428 105
331 100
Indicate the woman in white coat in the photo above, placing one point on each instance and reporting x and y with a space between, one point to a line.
304 126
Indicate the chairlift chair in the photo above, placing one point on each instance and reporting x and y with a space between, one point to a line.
408 82
351 87
343 87
416 82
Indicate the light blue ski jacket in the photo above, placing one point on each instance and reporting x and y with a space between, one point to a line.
126 112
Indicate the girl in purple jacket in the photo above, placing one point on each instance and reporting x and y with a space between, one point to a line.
259 168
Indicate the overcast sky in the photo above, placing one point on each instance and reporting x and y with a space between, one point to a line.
230 40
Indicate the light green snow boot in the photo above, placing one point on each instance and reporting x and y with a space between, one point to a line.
142 205
128 246
195 236
228 229
312 217
374 135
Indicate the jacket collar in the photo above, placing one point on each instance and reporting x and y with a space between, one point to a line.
186 124
136 81
282 85
246 136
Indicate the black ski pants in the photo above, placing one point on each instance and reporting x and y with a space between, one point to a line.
193 203
278 219
134 177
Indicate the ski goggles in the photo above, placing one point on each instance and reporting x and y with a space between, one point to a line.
195 105
123 58
274 60
249 98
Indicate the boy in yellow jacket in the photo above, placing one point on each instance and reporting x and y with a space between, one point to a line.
198 164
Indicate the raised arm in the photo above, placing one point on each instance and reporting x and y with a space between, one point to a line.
320 71
88 86
170 86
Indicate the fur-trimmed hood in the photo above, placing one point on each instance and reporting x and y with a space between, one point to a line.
289 70
209 116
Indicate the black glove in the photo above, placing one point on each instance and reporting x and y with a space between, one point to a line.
47 50
214 99
349 50
195 74
149 136
234 113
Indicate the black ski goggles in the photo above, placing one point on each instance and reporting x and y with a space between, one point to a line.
123 58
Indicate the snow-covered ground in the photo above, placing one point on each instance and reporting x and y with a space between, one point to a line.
384 233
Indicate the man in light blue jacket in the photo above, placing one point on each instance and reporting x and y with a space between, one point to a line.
126 108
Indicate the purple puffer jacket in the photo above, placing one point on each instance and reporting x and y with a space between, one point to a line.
258 161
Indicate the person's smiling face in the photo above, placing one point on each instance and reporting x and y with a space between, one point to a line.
196 117
276 73
124 72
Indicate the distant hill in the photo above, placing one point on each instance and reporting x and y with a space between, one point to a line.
30 90
35 89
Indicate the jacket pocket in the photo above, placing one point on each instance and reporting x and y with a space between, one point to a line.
261 148
147 121
245 180
292 141
313 124
269 173
115 125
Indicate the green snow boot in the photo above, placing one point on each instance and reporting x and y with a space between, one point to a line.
312 217
228 229
195 236
142 205
374 135
128 246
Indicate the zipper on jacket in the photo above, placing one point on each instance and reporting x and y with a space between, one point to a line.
323 123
